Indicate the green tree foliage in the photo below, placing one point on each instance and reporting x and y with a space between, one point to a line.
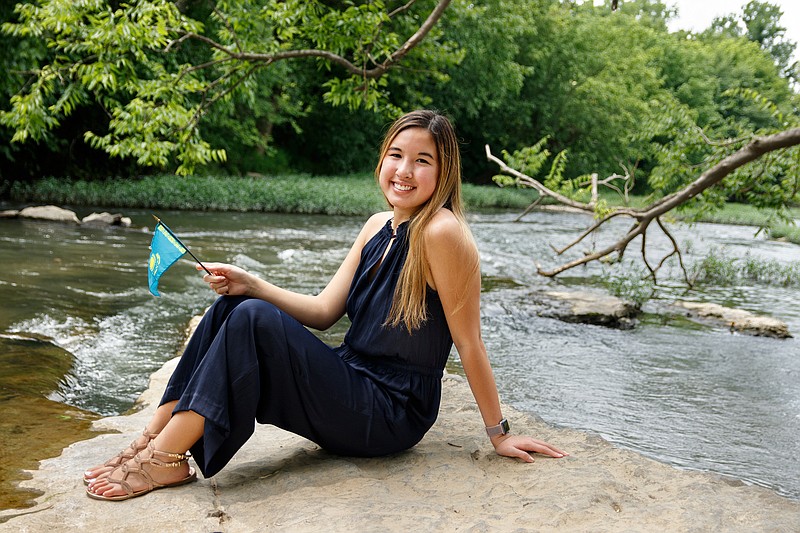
760 22
156 71
265 86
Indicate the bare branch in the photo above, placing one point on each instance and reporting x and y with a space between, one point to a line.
644 258
618 247
544 191
752 151
677 250
588 231
400 9
529 208
208 102
756 148
727 142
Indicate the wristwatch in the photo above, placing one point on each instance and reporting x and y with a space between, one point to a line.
500 429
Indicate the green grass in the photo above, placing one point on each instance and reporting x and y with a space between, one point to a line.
719 268
301 193
339 195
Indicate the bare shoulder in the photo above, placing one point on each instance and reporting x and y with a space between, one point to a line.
444 227
450 251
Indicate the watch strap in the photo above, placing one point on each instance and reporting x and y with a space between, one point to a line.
500 429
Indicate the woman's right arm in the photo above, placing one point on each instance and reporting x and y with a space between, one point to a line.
319 311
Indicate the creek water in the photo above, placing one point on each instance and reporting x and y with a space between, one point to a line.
80 335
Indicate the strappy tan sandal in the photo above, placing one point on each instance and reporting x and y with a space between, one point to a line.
122 456
127 470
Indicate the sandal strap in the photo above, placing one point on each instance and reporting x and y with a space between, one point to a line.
177 458
122 457
135 470
127 469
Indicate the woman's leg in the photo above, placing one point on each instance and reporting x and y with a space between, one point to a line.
195 350
181 431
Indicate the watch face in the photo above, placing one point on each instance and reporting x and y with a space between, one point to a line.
505 426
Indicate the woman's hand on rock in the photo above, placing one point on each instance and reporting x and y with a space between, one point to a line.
521 447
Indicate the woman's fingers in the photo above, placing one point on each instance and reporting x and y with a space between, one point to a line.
520 447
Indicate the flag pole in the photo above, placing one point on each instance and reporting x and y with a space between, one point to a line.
184 246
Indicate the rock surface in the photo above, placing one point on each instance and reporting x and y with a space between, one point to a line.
593 308
737 320
106 219
54 213
451 481
50 212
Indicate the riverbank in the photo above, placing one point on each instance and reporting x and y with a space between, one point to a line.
451 481
354 194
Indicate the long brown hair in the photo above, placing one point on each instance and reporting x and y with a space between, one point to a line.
409 304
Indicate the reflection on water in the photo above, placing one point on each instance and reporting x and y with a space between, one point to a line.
696 397
34 424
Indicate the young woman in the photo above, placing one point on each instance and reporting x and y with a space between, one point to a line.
410 286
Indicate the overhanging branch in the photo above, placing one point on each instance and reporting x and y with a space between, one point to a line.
755 149
331 57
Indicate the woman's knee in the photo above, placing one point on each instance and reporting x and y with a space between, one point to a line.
255 313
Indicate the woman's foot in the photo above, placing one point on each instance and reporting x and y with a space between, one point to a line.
139 444
149 470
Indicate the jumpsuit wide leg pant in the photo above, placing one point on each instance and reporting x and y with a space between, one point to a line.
249 361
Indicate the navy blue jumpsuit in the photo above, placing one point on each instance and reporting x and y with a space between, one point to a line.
378 393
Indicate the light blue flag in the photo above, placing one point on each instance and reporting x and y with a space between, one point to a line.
165 249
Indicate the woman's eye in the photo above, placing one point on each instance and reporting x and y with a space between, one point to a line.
424 161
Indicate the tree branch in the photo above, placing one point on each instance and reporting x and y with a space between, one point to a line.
331 57
755 149
544 191
752 151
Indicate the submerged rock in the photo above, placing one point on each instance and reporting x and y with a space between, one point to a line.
106 219
592 308
54 213
737 320
50 212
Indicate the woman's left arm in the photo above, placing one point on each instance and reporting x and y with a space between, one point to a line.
455 274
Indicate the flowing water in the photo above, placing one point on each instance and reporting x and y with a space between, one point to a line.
80 334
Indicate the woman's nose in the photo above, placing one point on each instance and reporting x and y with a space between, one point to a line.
404 169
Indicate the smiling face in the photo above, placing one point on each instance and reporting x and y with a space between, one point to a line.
409 171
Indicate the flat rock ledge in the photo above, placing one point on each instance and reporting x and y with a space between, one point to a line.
52 213
737 320
451 481
592 308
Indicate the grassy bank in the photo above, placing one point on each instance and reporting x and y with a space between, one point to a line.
340 195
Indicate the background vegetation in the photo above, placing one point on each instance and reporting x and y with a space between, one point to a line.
99 90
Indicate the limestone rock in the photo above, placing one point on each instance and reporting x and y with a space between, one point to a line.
593 308
50 212
451 481
106 219
737 320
